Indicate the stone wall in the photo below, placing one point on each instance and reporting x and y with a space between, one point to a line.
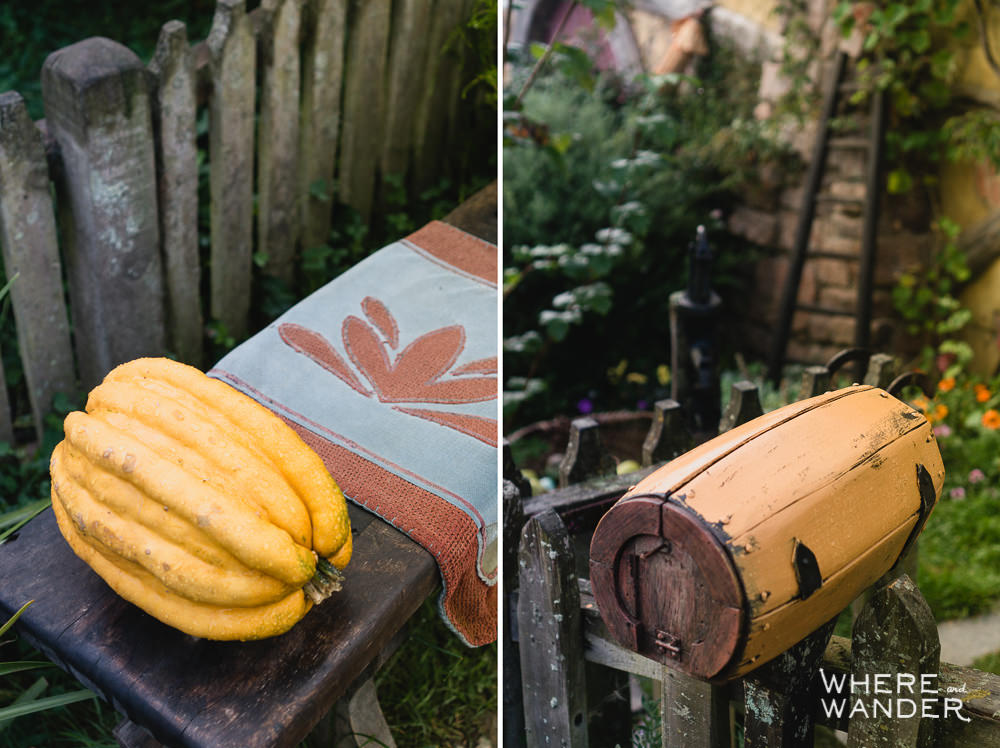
828 288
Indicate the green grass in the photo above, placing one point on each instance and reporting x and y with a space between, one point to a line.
960 556
988 663
437 692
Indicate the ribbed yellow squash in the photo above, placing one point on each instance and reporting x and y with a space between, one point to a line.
197 504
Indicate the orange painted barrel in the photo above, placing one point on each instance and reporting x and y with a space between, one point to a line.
733 552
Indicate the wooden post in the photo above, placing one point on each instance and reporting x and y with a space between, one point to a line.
744 406
278 138
585 454
322 74
233 52
31 258
174 118
894 633
881 370
668 435
407 61
513 705
780 696
96 95
512 474
693 713
550 636
364 104
815 381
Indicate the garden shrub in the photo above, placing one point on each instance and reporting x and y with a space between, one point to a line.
604 188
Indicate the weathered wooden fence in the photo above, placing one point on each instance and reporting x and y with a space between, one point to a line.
565 682
301 95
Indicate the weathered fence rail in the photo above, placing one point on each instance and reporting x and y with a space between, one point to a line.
301 95
555 628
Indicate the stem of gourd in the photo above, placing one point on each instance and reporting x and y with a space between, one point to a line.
324 583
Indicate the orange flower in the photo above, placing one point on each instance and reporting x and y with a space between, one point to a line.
941 411
921 403
991 419
982 393
947 384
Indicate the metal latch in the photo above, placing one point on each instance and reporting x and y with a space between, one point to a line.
669 643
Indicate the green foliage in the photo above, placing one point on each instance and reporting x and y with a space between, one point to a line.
910 53
30 31
929 305
797 56
605 183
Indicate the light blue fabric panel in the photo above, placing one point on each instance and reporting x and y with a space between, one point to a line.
422 295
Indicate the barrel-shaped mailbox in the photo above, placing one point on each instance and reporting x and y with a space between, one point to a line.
731 553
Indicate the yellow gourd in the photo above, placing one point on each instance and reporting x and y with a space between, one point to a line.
197 504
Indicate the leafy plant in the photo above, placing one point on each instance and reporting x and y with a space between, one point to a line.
910 52
928 303
604 187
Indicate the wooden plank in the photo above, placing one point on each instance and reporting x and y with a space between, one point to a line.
364 104
894 634
407 61
31 255
478 214
780 696
233 58
96 96
513 706
431 120
193 692
693 713
602 491
322 74
550 637
174 115
278 138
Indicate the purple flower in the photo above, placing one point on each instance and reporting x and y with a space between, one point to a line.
976 475
942 429
585 406
642 405
957 493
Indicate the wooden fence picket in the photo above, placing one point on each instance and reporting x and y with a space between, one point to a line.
31 261
364 104
550 636
174 114
322 77
96 96
585 455
744 405
278 138
407 58
894 633
668 435
233 52
431 116
815 381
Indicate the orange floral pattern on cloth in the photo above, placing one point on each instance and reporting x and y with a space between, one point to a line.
422 372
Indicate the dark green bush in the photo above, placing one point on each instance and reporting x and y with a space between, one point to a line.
604 189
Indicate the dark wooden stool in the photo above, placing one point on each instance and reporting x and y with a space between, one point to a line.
179 690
